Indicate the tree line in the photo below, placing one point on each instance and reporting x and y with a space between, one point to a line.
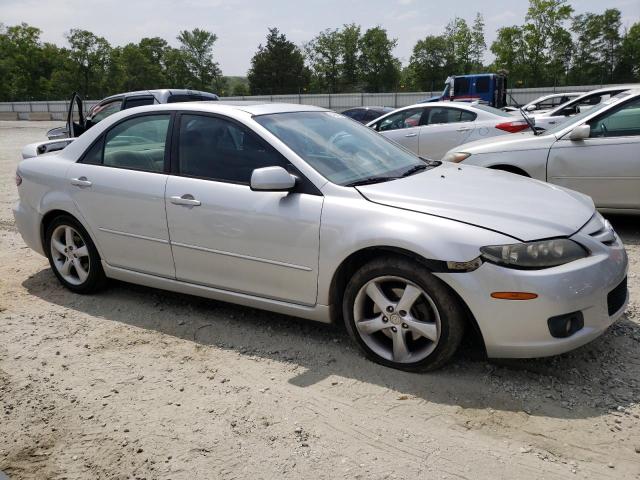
551 47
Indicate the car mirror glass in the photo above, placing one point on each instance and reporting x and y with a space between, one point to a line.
580 132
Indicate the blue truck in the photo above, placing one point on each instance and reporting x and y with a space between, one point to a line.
487 88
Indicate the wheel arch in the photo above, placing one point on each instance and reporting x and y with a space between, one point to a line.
355 260
52 214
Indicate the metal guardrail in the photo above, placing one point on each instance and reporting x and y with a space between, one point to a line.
339 101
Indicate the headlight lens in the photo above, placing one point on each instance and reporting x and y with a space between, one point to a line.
532 255
456 157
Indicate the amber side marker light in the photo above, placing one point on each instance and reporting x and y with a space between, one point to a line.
514 295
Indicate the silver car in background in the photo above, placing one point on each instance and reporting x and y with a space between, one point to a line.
544 104
581 104
431 129
302 211
596 152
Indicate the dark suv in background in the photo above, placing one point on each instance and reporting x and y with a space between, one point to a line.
115 103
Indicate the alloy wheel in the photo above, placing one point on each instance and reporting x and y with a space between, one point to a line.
397 319
70 254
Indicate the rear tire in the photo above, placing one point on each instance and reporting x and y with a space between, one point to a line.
73 256
402 316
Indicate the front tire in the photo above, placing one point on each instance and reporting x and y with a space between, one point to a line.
402 316
73 256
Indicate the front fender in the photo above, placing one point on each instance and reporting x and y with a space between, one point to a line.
350 225
532 162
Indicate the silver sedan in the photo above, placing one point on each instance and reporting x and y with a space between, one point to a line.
299 210
594 152
431 129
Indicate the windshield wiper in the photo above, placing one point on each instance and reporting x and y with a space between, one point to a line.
524 116
415 169
370 180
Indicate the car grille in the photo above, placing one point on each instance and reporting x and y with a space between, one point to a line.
617 297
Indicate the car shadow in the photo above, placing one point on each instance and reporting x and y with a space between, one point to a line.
584 383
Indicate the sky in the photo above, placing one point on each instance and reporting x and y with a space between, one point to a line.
242 24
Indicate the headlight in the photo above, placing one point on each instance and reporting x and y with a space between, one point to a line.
531 255
456 157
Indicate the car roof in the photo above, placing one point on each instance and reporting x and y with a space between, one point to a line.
252 108
161 93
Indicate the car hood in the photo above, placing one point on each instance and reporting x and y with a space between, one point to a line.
520 207
507 143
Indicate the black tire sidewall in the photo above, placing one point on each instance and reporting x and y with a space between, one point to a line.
449 309
96 278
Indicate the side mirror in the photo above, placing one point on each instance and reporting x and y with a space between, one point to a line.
580 132
272 179
531 108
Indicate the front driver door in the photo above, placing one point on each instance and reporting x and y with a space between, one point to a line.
403 127
605 166
227 236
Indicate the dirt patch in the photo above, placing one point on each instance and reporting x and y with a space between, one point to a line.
140 383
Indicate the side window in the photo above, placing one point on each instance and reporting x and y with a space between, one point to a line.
218 149
623 122
93 156
404 119
183 97
441 115
132 102
137 143
461 87
483 84
103 110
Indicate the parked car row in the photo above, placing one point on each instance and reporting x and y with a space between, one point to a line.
300 210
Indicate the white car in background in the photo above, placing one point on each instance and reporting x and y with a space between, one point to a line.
431 129
582 103
545 103
597 152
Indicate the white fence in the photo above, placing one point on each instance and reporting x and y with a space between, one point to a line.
56 110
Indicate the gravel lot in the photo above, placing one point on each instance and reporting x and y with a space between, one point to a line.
140 383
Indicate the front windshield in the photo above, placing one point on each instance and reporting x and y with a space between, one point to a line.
576 118
343 151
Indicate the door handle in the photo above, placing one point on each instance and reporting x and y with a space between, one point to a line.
186 199
411 135
80 182
464 129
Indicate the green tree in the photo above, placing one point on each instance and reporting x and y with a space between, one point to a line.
349 73
379 69
196 47
544 33
278 67
324 53
90 56
478 44
428 63
628 68
510 53
459 47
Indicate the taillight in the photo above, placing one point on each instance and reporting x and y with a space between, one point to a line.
513 127
18 180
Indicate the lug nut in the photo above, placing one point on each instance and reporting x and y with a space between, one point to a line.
385 319
402 313
394 329
390 309
404 325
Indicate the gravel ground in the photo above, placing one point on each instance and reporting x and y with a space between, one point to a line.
140 383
